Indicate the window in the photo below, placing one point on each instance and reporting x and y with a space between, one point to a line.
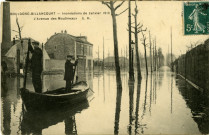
55 47
87 50
81 49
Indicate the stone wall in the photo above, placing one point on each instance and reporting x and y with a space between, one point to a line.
194 65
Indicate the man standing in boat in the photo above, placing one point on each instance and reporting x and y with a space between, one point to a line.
69 72
36 66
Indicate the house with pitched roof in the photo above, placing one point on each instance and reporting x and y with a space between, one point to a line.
59 45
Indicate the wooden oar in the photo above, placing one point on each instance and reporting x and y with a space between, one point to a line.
74 73
26 65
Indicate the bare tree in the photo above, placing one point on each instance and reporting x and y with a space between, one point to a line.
150 42
138 29
19 31
113 8
145 52
21 42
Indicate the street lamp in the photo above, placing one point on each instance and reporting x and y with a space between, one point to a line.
132 58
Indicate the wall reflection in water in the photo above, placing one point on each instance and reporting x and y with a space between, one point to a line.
197 102
9 98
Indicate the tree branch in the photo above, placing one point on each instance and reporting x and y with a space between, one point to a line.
134 15
122 12
139 27
119 5
19 29
107 4
133 27
15 31
139 24
141 30
132 32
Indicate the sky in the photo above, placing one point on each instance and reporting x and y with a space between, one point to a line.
157 16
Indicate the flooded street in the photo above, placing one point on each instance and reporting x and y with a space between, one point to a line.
162 104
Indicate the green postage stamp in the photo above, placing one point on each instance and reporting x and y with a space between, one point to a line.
196 18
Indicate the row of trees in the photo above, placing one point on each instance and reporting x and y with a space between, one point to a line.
156 57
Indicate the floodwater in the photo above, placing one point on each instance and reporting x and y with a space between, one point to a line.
161 104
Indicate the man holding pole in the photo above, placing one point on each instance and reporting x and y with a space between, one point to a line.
36 66
69 72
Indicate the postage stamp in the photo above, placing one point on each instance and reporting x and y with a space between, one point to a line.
196 18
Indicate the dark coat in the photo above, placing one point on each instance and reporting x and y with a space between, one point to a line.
36 60
69 74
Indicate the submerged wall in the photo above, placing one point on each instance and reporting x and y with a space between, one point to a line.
194 65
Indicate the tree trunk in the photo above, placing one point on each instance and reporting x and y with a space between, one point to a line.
117 66
131 69
137 52
145 56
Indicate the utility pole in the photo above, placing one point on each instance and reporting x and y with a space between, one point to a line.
124 64
98 56
126 53
103 55
121 57
150 51
168 56
155 56
171 50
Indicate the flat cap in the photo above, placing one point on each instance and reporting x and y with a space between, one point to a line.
35 43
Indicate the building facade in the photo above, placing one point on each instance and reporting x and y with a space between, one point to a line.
59 45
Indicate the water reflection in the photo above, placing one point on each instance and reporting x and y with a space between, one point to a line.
161 104
197 102
142 126
137 106
117 110
6 108
131 95
171 94
150 105
9 101
34 122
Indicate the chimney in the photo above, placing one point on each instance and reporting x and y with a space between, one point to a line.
65 31
6 35
61 31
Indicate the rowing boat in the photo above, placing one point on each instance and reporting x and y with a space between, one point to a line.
57 98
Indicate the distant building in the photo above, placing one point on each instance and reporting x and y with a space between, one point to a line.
11 55
59 45
110 62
